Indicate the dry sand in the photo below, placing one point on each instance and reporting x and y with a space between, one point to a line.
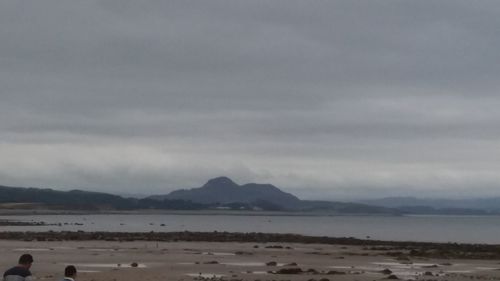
102 261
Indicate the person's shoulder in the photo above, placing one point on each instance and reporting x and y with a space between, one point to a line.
17 270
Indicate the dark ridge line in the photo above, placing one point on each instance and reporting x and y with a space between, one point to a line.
223 236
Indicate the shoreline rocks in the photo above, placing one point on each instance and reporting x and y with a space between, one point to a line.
401 250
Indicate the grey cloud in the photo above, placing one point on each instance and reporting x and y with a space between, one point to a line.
334 97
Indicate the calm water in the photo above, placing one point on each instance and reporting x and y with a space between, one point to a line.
472 229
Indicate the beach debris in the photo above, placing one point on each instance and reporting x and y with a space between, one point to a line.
321 253
334 272
392 276
414 252
243 253
291 264
294 270
211 262
274 247
386 271
271 263
134 264
312 271
207 276
403 258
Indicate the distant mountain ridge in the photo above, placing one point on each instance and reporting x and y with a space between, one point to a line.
216 193
84 200
223 190
437 205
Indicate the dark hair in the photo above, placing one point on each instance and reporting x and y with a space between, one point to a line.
26 259
69 271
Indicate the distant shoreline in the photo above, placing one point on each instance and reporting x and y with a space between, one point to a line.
210 212
27 212
214 212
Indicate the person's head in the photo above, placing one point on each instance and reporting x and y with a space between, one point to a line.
70 271
26 260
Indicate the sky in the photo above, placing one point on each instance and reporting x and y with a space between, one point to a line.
325 99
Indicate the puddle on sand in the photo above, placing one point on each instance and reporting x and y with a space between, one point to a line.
407 269
394 265
411 275
412 271
205 275
406 265
31 249
370 273
406 274
255 272
486 268
423 264
64 248
303 249
458 271
368 268
249 264
244 263
110 265
218 254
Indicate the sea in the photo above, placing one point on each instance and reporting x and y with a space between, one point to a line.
459 229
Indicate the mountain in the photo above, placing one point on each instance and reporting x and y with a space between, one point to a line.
223 193
217 193
223 190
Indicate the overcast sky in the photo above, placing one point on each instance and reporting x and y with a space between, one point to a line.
324 99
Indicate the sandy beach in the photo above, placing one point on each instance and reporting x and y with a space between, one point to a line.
151 260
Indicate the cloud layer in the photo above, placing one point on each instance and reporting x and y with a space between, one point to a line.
337 99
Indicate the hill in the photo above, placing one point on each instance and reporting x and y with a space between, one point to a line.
224 192
217 193
83 200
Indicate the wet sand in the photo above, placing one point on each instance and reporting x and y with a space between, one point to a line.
150 260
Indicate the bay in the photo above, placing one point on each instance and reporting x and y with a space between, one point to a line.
460 229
